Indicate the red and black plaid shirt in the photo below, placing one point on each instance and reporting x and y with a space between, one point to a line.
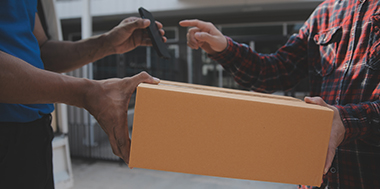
338 48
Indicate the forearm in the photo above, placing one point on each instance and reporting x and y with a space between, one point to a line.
362 121
265 72
65 56
240 61
22 83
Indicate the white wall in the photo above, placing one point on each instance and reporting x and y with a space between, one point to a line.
72 8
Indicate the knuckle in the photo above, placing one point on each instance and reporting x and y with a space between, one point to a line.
136 23
143 74
121 142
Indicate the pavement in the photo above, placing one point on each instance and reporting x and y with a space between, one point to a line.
92 174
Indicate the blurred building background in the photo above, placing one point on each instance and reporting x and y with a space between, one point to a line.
264 25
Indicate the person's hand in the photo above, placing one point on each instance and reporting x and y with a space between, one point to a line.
107 101
129 34
204 35
337 131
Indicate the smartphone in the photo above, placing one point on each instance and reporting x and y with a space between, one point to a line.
155 35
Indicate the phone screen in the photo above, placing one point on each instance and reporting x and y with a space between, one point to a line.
154 34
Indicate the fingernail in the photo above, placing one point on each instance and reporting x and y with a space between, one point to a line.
308 99
156 79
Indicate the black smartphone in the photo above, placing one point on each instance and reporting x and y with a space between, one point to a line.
155 35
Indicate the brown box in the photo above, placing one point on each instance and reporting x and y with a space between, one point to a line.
229 133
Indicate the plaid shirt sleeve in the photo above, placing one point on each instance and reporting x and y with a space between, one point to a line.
265 73
283 69
338 50
362 121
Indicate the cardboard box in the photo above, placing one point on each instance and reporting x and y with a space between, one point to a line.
229 133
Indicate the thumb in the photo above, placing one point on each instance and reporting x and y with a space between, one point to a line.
211 43
315 100
205 37
141 24
132 24
144 77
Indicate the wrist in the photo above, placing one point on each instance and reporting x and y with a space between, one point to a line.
89 93
96 47
339 115
105 46
78 91
225 44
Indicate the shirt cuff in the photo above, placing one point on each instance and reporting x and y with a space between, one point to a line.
349 133
360 123
220 57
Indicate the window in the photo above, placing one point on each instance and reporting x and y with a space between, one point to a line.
252 30
171 33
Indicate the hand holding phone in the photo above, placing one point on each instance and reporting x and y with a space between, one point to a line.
155 35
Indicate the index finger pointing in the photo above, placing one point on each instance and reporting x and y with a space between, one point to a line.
194 23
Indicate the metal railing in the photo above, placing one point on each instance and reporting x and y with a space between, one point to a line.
86 138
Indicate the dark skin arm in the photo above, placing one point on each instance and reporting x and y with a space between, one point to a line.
119 40
106 100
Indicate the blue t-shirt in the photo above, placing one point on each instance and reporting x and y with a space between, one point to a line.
16 38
